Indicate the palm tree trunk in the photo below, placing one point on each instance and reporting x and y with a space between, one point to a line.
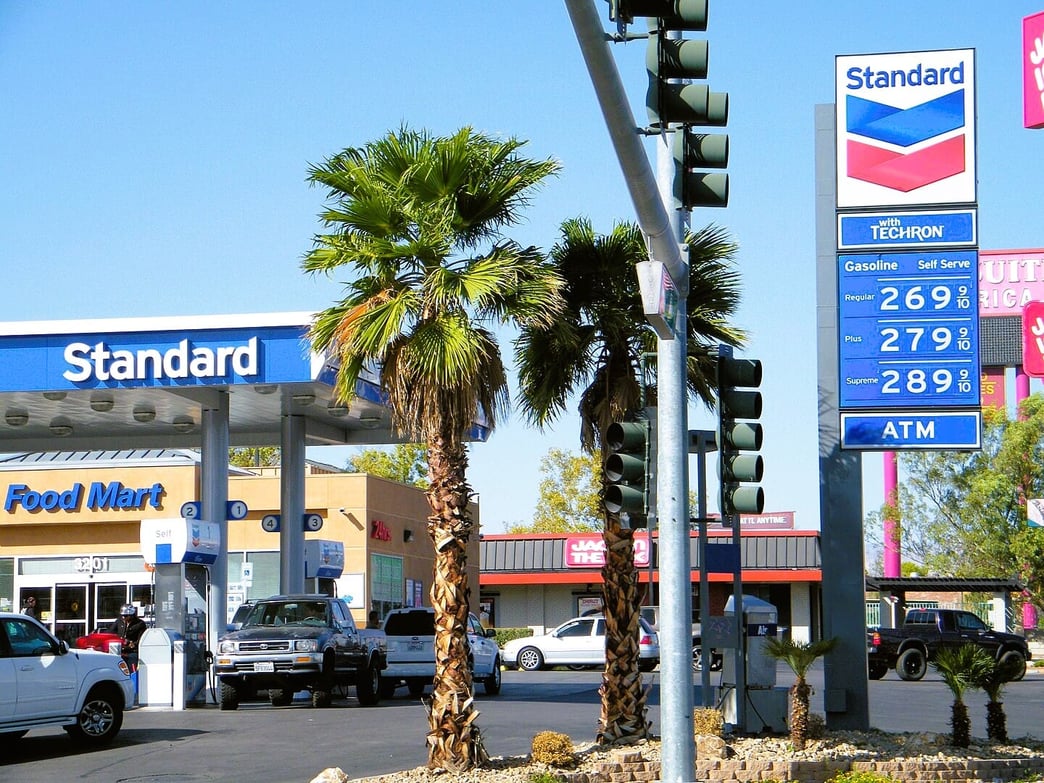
996 721
454 739
623 715
961 724
799 702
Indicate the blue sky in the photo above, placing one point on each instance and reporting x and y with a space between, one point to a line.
155 155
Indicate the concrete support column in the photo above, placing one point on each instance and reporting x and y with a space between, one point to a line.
292 505
214 502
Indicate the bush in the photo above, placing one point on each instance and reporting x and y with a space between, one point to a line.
861 777
505 635
550 747
707 721
543 777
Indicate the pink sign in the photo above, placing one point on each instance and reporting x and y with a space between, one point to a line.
589 551
1009 280
992 385
1033 70
1033 340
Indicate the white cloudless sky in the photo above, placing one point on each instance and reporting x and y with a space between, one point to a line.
153 160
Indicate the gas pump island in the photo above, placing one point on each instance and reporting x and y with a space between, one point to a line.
172 655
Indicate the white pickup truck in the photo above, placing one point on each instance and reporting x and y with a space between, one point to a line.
43 683
410 636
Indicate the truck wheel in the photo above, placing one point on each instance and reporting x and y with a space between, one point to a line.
530 659
492 683
1018 663
229 696
100 719
368 686
416 686
321 697
388 686
697 658
877 671
911 665
280 697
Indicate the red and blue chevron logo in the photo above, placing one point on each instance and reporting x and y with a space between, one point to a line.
913 129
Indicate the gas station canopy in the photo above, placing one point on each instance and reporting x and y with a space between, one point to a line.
144 383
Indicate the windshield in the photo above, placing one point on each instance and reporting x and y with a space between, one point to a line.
272 613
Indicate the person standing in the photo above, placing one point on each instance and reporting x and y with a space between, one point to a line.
129 627
29 606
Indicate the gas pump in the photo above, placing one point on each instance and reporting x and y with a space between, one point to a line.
174 653
324 563
766 705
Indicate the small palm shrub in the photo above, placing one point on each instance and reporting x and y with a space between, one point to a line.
961 667
554 749
707 721
991 679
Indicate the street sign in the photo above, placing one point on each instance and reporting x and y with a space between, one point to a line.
894 430
909 330
896 230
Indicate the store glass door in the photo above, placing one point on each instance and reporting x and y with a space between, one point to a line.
70 612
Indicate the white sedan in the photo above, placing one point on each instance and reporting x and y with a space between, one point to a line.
576 643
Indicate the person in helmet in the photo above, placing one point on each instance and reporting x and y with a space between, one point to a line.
129 627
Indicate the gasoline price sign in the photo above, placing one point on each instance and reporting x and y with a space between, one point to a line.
908 330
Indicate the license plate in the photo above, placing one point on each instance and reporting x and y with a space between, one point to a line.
412 646
264 666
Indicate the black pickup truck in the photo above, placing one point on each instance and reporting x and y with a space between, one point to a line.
925 632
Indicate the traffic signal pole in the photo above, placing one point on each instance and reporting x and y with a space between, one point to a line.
678 751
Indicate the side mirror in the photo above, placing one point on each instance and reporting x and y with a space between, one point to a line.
491 633
63 647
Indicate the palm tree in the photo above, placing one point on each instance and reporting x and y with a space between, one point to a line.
799 656
596 348
961 667
992 678
417 220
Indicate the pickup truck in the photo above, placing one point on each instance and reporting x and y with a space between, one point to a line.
290 643
926 631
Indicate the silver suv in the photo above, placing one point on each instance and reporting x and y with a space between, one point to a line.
410 635
44 683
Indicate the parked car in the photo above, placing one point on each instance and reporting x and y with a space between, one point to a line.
410 635
45 683
577 643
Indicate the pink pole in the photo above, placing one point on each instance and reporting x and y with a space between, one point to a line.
1022 385
892 549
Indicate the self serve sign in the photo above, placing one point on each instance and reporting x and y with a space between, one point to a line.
906 128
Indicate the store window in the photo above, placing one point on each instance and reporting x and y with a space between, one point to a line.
7 602
386 583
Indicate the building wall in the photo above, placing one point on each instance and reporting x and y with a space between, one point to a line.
61 553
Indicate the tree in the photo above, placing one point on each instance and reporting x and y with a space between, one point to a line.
264 456
597 349
419 221
405 462
960 667
964 514
991 676
569 501
799 656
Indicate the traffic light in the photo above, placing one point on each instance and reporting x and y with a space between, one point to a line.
627 469
694 150
674 100
739 436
